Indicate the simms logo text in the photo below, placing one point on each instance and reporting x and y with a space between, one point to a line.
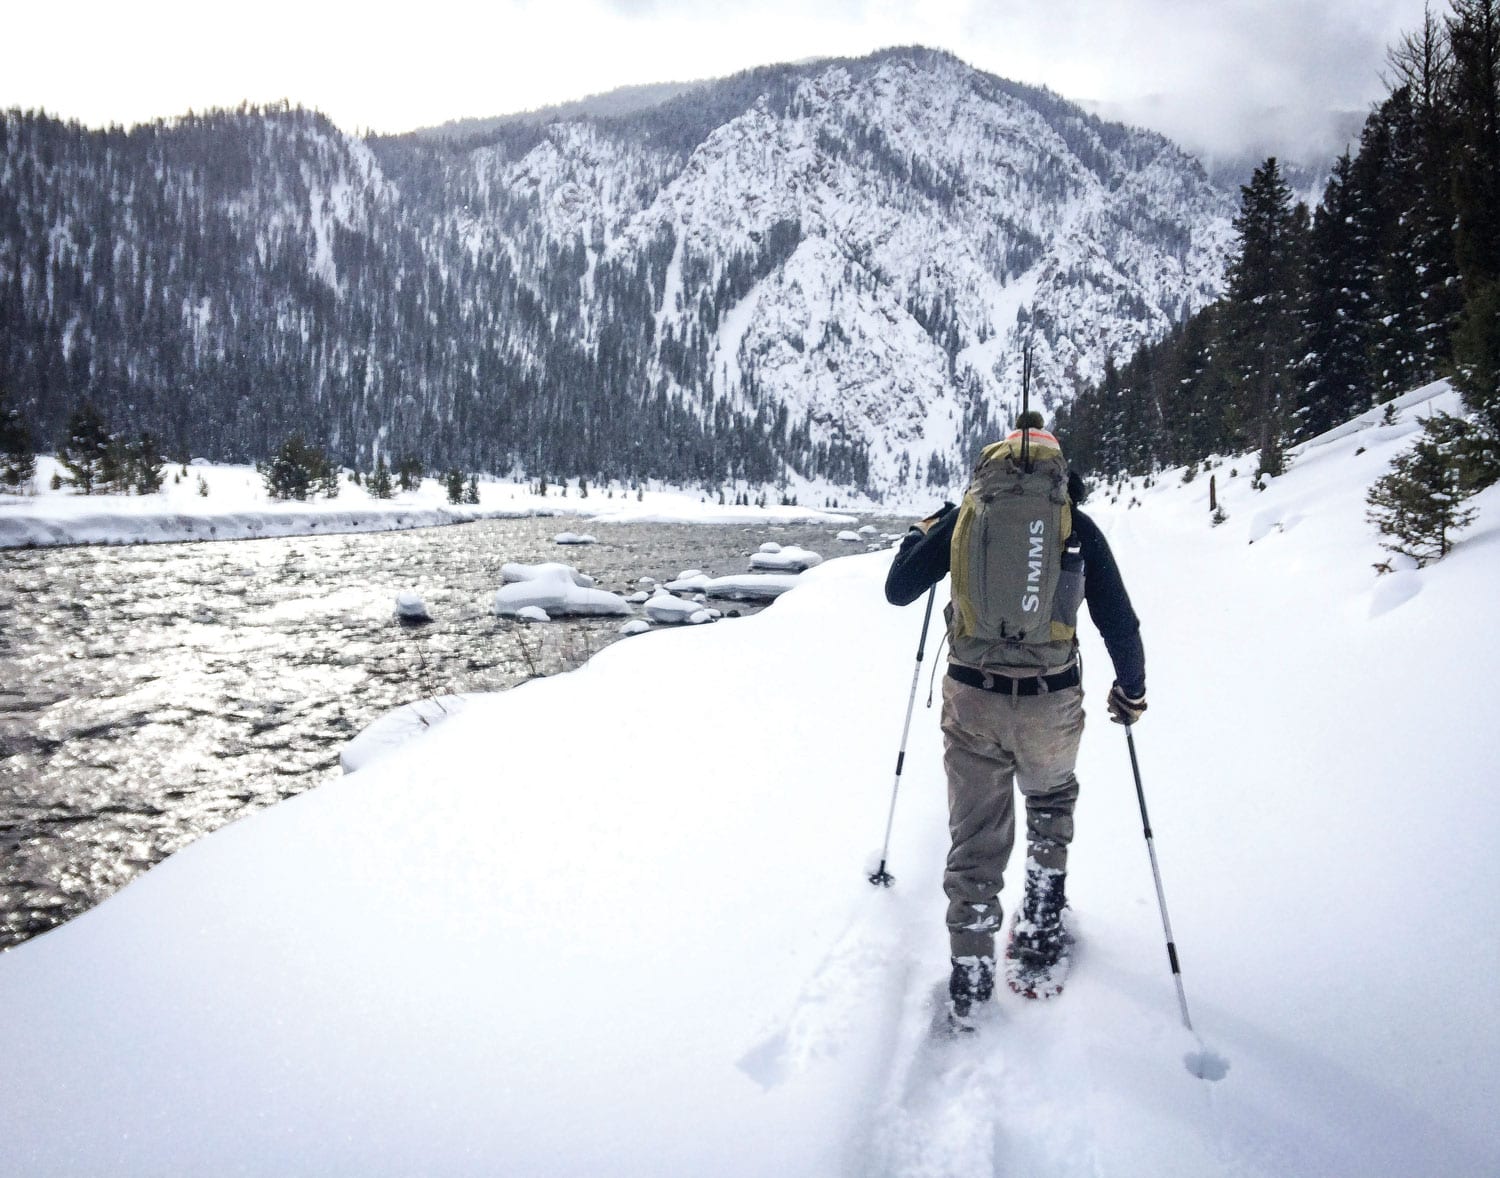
1031 600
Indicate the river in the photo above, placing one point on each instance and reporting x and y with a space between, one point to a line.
152 693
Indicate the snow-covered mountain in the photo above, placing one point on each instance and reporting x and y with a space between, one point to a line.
816 272
867 244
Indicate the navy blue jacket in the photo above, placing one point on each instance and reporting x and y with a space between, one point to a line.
924 558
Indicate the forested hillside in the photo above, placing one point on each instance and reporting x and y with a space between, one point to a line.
1392 281
804 272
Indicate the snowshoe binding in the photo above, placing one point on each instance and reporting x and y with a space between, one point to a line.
1039 954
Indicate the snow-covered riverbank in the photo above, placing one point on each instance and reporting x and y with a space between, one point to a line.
617 922
236 507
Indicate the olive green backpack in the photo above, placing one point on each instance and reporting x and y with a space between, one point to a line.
1017 569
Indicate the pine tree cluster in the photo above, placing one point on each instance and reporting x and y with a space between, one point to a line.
1393 281
299 471
98 460
17 450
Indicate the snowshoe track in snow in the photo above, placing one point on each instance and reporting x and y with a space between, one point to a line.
830 1008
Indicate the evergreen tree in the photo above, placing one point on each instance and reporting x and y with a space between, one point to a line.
325 476
454 481
1199 394
1335 367
409 473
17 453
1389 188
1474 34
294 471
116 472
1476 354
1263 310
146 463
1112 422
1419 504
85 449
471 490
379 482
1422 63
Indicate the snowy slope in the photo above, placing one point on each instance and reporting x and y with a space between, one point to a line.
617 922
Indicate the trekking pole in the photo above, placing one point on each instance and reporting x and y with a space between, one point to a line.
1203 1063
1161 898
881 877
1026 407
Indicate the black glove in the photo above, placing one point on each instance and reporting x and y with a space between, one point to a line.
926 525
1124 709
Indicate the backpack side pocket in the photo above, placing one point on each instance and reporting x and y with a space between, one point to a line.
1069 595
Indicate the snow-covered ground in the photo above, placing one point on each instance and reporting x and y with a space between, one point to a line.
617 921
236 507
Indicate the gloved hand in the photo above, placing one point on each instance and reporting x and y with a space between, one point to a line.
1124 709
926 525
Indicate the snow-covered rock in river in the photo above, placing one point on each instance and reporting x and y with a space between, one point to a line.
869 530
751 586
675 611
557 594
411 608
689 582
635 626
849 537
533 613
770 547
789 559
510 573
573 538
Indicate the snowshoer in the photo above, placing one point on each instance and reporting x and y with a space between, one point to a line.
1023 558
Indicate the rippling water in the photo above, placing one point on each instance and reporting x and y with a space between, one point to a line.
150 694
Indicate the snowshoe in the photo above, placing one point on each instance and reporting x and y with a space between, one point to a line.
1039 954
1033 975
972 982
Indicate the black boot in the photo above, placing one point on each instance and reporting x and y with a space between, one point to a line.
1037 957
973 980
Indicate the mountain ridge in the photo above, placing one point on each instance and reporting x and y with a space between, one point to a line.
813 273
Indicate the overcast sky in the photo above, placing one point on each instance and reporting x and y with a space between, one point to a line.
1207 72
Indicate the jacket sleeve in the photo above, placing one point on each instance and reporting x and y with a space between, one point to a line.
922 560
1109 607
